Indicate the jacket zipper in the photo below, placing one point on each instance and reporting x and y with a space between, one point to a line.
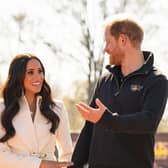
120 87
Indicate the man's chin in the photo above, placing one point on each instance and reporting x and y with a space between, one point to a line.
115 63
112 63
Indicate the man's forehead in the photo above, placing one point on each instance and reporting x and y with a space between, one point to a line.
107 33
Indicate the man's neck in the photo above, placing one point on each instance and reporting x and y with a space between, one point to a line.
132 62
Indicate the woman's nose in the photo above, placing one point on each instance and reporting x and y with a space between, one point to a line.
38 75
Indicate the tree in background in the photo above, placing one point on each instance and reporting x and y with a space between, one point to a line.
19 19
69 35
78 93
94 60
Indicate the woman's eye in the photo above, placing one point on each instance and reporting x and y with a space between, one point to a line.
30 72
40 71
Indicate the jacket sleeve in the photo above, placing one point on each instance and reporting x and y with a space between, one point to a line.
81 151
145 121
63 138
9 159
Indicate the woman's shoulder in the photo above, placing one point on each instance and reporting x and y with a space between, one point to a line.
2 105
59 107
59 102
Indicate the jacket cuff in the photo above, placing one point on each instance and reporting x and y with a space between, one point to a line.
108 118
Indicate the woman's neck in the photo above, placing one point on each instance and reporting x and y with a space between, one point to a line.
31 99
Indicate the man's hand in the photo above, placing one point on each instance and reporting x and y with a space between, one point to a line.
54 164
89 113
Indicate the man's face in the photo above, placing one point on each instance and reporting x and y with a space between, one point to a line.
112 47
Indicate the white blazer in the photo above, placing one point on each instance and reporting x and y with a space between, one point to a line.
33 140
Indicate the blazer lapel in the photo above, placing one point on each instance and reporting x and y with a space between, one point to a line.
42 128
24 126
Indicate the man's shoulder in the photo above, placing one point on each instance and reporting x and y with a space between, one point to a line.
104 79
106 76
157 74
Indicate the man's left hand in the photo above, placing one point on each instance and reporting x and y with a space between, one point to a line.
89 113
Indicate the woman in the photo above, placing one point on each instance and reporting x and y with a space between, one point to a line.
31 123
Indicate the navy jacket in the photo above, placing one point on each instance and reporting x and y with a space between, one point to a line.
127 139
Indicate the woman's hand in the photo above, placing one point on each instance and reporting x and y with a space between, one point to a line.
54 164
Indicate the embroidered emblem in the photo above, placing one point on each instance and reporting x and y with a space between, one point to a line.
135 87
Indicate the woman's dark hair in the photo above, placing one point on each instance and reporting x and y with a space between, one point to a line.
13 90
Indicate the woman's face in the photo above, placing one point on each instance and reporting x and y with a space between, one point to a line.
34 77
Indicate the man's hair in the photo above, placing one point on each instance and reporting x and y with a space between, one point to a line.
127 26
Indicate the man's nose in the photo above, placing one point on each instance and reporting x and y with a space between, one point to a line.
105 49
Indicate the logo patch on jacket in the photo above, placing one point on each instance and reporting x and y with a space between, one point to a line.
135 88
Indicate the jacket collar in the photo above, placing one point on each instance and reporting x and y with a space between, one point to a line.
24 100
29 131
145 69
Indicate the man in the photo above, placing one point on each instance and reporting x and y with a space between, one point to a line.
127 105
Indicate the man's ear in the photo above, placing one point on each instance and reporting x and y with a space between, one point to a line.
123 39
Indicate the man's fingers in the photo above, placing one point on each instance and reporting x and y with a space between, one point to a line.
90 113
64 164
85 106
100 104
82 110
55 164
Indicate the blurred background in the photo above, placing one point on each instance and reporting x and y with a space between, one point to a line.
67 36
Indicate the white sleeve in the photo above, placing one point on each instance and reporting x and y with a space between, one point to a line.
63 138
9 159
